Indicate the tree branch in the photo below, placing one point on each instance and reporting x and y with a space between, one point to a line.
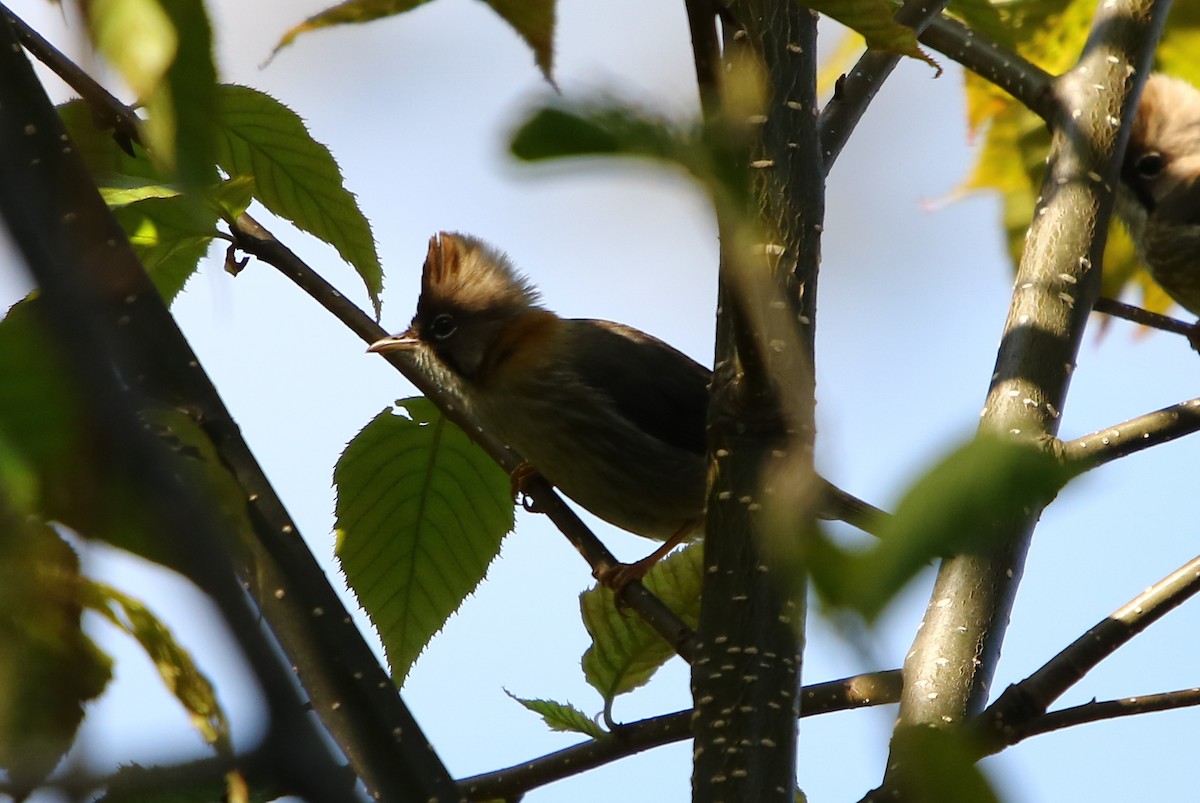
1024 80
951 664
858 88
1164 323
860 691
1152 429
1108 709
1007 720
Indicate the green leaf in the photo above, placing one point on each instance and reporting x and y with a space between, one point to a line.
561 716
192 87
534 21
625 651
48 667
349 12
873 19
421 512
295 176
137 37
972 499
170 236
174 663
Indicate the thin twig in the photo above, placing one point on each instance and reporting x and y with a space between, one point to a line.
1152 429
1023 703
1025 81
860 691
858 87
1144 317
1109 709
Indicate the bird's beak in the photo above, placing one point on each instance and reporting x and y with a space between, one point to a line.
404 340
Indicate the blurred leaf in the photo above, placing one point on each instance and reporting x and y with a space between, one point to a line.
561 716
118 191
138 39
839 61
181 783
351 11
873 19
625 651
174 664
936 766
48 667
421 512
295 176
976 496
192 87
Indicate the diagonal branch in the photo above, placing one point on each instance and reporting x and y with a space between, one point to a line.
858 88
860 691
950 667
1107 709
1022 705
1152 429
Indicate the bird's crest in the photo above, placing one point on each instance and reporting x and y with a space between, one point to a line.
466 273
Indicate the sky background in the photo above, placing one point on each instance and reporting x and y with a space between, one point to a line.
913 295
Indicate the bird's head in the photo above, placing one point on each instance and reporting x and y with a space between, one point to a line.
1162 161
470 294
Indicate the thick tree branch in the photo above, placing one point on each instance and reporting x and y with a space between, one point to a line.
950 667
858 88
860 691
1021 705
128 356
1152 429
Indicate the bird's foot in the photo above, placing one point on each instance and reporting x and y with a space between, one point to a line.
519 480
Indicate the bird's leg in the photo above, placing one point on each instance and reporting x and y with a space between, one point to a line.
519 480
618 576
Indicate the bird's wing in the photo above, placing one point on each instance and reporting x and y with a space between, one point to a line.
658 388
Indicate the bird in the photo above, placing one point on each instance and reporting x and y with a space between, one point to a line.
1159 195
613 417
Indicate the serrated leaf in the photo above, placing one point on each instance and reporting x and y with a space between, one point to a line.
561 716
534 21
967 503
175 665
48 667
295 176
349 12
625 651
421 512
874 20
170 236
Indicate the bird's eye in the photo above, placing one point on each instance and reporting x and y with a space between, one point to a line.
442 326
1150 164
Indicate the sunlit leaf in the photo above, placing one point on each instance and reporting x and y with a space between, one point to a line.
625 651
562 716
349 12
295 176
873 19
421 512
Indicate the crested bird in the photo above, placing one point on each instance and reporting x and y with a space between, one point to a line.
1159 198
613 417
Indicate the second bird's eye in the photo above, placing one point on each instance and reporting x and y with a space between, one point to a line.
442 326
1150 165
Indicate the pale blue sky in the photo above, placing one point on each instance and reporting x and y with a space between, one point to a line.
912 303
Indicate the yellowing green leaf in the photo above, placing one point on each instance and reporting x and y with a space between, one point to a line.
137 37
421 512
175 665
351 11
295 176
873 19
625 651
